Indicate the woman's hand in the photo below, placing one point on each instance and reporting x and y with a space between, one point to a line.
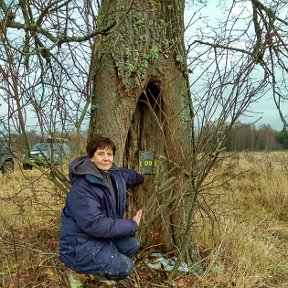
137 217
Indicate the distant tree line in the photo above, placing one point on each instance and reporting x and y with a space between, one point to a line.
263 138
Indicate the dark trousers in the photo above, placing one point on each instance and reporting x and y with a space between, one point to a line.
127 247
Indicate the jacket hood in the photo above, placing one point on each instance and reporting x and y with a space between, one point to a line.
83 166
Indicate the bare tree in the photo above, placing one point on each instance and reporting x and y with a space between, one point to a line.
45 56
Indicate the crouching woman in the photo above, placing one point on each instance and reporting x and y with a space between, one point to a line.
94 236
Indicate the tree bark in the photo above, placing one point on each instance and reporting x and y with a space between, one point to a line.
141 99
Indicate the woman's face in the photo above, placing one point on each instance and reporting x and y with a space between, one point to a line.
103 158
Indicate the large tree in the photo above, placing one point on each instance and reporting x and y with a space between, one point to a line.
141 97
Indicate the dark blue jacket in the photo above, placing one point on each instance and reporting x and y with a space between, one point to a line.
91 219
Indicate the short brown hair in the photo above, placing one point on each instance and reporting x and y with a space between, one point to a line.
99 142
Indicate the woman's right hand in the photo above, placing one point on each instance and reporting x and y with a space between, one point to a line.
137 217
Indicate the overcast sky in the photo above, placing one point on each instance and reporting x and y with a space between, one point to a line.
265 109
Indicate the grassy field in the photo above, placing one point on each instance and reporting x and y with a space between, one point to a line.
243 239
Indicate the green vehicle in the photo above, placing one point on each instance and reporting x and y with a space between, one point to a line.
45 154
7 160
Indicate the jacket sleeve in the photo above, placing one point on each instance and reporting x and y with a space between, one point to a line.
131 177
87 208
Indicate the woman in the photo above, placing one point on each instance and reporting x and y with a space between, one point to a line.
94 236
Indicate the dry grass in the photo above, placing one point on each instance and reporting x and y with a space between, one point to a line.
249 245
29 214
245 246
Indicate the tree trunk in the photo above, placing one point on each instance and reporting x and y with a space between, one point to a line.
141 100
